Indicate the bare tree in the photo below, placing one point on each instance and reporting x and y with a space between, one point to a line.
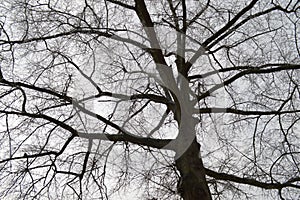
161 99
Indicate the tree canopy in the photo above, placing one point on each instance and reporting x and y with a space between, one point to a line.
162 99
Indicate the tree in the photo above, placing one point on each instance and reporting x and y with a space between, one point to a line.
99 97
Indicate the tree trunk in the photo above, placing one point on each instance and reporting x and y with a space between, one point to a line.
193 185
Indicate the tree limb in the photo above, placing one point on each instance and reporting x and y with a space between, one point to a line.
248 181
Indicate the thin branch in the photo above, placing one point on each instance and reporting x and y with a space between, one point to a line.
219 32
198 14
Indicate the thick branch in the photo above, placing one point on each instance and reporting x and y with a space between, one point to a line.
248 181
246 72
122 4
151 97
149 142
244 112
144 16
123 137
79 31
236 68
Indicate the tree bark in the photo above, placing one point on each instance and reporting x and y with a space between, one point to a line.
193 185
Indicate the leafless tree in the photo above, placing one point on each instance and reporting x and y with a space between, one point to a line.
162 99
